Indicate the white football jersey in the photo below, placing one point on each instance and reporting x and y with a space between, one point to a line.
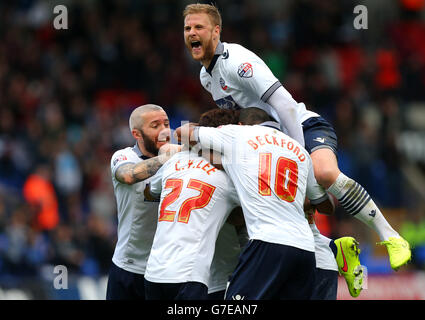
272 174
226 257
196 199
325 258
238 78
137 216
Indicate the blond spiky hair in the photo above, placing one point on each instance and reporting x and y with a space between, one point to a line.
209 9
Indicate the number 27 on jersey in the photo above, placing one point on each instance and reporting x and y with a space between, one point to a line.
196 202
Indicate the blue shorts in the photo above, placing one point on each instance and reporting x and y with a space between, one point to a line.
176 291
318 134
124 285
270 271
326 286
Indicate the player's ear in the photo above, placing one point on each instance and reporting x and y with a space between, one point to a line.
136 134
217 31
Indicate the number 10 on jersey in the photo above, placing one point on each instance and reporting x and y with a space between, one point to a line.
286 177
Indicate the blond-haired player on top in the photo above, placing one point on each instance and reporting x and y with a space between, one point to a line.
238 78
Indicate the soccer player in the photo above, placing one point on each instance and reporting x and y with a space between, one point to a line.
237 78
196 199
326 279
272 174
194 251
131 169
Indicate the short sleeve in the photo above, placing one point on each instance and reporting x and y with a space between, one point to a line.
118 159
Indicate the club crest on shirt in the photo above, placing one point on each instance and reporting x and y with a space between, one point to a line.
119 158
245 70
223 84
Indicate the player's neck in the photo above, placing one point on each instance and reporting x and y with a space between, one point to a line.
206 62
209 56
144 151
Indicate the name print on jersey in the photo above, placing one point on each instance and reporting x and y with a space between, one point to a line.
271 139
192 164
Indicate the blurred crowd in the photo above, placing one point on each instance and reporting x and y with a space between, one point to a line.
66 95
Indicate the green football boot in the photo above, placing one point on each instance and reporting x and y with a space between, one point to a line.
349 265
398 251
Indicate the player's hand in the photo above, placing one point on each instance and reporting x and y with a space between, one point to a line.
309 211
164 135
169 149
326 207
308 207
183 134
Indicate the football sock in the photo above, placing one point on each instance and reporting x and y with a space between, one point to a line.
357 202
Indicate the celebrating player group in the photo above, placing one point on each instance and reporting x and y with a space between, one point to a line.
229 212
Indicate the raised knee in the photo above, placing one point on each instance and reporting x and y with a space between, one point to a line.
326 176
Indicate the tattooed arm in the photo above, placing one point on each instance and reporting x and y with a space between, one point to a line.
131 173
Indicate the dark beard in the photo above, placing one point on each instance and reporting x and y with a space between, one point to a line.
209 51
149 144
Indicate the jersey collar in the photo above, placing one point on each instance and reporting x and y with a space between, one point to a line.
139 153
218 52
271 124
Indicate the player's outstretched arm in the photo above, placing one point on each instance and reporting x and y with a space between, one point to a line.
132 173
286 108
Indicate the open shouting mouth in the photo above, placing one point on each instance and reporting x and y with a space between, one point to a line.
196 46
